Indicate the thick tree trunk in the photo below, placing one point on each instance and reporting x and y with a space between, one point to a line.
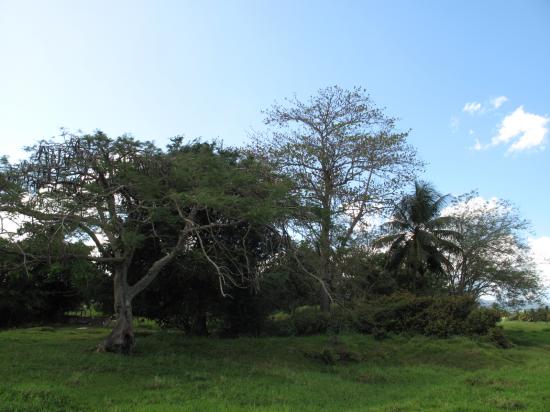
121 339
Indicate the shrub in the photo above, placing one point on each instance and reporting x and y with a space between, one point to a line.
498 338
43 296
448 316
481 320
433 316
540 314
308 320
441 316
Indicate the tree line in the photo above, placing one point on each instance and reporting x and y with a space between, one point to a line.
200 230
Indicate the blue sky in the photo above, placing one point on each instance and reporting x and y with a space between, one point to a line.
207 68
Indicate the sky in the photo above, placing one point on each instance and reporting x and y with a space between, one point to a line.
470 79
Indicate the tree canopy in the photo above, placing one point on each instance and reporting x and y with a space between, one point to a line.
117 192
493 255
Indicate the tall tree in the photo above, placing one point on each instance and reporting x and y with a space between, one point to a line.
347 161
117 192
494 256
419 236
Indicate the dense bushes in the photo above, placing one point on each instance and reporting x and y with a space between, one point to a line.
541 314
43 296
42 291
398 313
309 321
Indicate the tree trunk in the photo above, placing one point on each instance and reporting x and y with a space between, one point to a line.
324 267
121 339
325 297
200 327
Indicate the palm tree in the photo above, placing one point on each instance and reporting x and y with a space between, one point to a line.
419 236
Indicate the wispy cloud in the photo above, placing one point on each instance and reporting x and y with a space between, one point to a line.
486 106
454 123
523 130
477 145
498 101
472 107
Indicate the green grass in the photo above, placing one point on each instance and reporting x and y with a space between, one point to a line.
56 369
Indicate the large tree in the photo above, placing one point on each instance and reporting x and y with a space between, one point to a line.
493 258
347 161
118 192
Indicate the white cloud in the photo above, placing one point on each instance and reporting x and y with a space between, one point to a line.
540 251
524 130
472 107
499 101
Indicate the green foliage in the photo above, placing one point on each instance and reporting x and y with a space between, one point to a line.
481 320
540 314
43 291
309 320
448 316
225 180
442 316
418 236
364 275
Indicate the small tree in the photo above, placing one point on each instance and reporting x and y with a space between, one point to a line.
118 192
347 161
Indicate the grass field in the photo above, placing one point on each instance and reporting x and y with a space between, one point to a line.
56 369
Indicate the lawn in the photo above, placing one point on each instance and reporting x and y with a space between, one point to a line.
56 369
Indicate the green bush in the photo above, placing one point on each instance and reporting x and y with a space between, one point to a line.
448 316
433 316
481 320
540 314
498 338
441 316
308 320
